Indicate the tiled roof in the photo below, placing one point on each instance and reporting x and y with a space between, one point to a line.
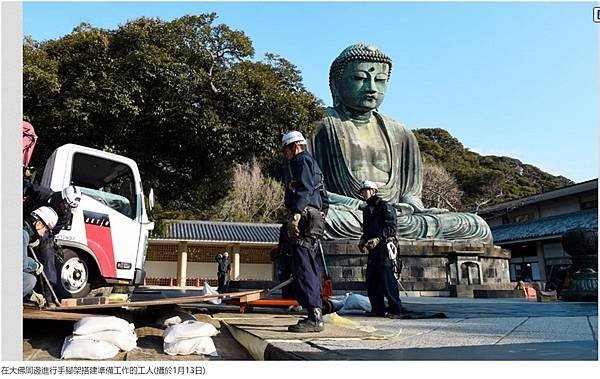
574 189
546 226
216 231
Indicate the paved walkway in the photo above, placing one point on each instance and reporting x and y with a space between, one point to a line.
477 329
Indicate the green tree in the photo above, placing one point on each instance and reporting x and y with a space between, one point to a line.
485 180
184 98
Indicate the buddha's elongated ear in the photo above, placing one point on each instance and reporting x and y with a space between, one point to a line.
334 93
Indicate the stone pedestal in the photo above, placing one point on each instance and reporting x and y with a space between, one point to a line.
430 267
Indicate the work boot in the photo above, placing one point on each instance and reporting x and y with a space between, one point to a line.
393 315
37 299
313 324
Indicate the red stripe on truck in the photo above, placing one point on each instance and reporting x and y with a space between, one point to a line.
99 240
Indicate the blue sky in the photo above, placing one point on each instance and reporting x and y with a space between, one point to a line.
515 79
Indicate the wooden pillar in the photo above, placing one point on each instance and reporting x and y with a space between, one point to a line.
182 247
539 247
235 269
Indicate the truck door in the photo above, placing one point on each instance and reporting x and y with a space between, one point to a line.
109 214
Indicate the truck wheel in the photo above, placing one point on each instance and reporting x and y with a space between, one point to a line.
73 276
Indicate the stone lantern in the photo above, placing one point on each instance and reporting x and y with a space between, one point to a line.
582 245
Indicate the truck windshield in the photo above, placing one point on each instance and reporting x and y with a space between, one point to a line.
109 182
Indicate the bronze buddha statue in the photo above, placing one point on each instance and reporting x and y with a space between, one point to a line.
355 142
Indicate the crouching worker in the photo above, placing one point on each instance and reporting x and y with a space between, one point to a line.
36 226
63 203
379 228
306 199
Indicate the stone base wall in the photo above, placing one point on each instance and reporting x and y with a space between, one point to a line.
428 265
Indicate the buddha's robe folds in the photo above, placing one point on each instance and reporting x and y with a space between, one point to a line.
332 147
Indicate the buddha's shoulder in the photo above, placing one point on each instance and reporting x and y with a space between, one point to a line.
332 118
390 122
327 122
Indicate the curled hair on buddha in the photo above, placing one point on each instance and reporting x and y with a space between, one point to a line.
358 52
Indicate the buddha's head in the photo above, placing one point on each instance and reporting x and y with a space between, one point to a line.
358 78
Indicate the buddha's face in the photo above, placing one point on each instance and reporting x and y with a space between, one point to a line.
363 85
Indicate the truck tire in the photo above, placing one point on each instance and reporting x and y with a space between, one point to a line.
73 276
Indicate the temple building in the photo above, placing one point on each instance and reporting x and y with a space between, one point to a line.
532 227
185 256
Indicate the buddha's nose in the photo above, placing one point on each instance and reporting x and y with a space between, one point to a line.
371 86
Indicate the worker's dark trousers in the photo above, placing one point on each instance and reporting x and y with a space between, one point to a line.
223 285
381 283
45 254
284 271
307 277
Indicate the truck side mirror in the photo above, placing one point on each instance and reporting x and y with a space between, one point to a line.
151 205
151 199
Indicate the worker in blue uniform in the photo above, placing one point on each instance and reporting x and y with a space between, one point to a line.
379 229
63 203
36 226
307 201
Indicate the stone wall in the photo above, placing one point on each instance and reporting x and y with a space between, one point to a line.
428 265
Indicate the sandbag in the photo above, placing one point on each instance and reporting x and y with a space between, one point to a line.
189 329
125 340
88 325
174 319
197 345
208 290
87 349
356 302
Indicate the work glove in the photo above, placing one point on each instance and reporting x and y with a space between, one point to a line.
293 225
372 243
39 269
37 298
361 246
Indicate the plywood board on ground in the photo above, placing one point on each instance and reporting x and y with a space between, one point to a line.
274 327
41 314
165 301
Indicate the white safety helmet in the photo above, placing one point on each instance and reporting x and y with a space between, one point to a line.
367 184
46 215
72 196
225 254
291 137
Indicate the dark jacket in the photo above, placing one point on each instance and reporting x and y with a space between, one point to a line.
224 265
381 221
305 186
35 196
39 196
30 229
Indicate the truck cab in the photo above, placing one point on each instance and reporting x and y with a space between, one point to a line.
105 242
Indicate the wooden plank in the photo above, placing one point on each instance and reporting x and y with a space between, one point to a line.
172 300
84 301
40 314
250 297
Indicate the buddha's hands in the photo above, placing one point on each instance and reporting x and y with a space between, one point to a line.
431 210
435 210
419 208
403 209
